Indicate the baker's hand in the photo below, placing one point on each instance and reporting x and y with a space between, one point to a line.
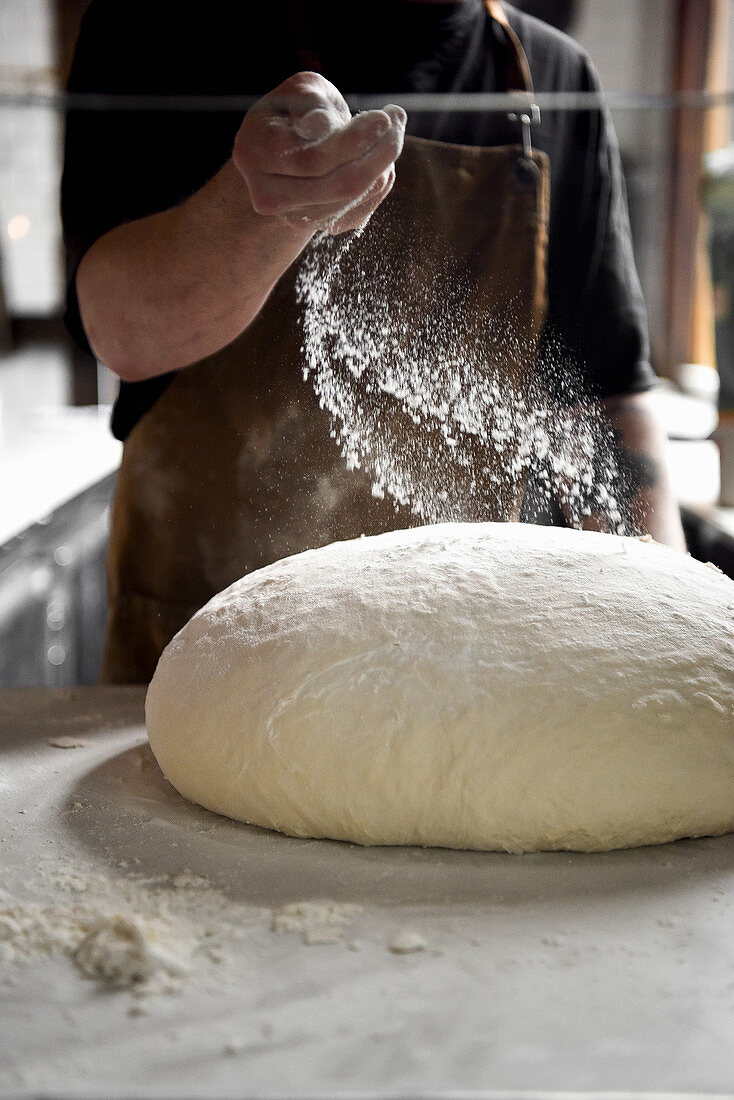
306 161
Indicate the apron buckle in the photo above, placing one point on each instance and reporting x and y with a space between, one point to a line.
527 119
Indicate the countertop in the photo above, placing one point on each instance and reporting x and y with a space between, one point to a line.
49 455
269 966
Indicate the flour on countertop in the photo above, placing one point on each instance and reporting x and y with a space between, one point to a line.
147 935
319 922
407 941
121 950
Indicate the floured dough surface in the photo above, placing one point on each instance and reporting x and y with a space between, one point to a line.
488 686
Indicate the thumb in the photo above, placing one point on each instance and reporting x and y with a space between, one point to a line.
317 125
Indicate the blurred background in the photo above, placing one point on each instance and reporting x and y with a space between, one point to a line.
667 67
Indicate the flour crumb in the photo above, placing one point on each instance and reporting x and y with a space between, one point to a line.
124 951
667 922
319 937
551 941
305 916
407 941
319 922
187 880
233 1047
68 742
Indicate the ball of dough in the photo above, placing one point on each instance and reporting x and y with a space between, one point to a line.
488 686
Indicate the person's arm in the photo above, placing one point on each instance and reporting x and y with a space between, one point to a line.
158 293
640 454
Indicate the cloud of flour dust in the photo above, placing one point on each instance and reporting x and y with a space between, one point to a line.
419 396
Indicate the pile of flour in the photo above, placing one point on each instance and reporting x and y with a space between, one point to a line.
125 933
146 935
121 950
378 364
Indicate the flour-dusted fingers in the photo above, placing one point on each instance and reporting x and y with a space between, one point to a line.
338 145
307 162
359 213
281 109
354 215
320 183
304 127
325 197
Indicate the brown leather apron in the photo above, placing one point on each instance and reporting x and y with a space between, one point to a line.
235 465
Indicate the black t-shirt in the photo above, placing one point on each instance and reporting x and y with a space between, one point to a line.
122 164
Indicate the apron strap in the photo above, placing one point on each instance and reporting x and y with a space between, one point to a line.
520 79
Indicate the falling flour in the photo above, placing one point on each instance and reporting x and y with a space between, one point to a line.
418 397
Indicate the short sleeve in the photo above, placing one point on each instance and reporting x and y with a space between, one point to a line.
126 153
597 313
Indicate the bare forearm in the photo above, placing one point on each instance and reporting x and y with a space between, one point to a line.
640 446
160 293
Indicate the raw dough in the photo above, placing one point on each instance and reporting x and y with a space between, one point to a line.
489 686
